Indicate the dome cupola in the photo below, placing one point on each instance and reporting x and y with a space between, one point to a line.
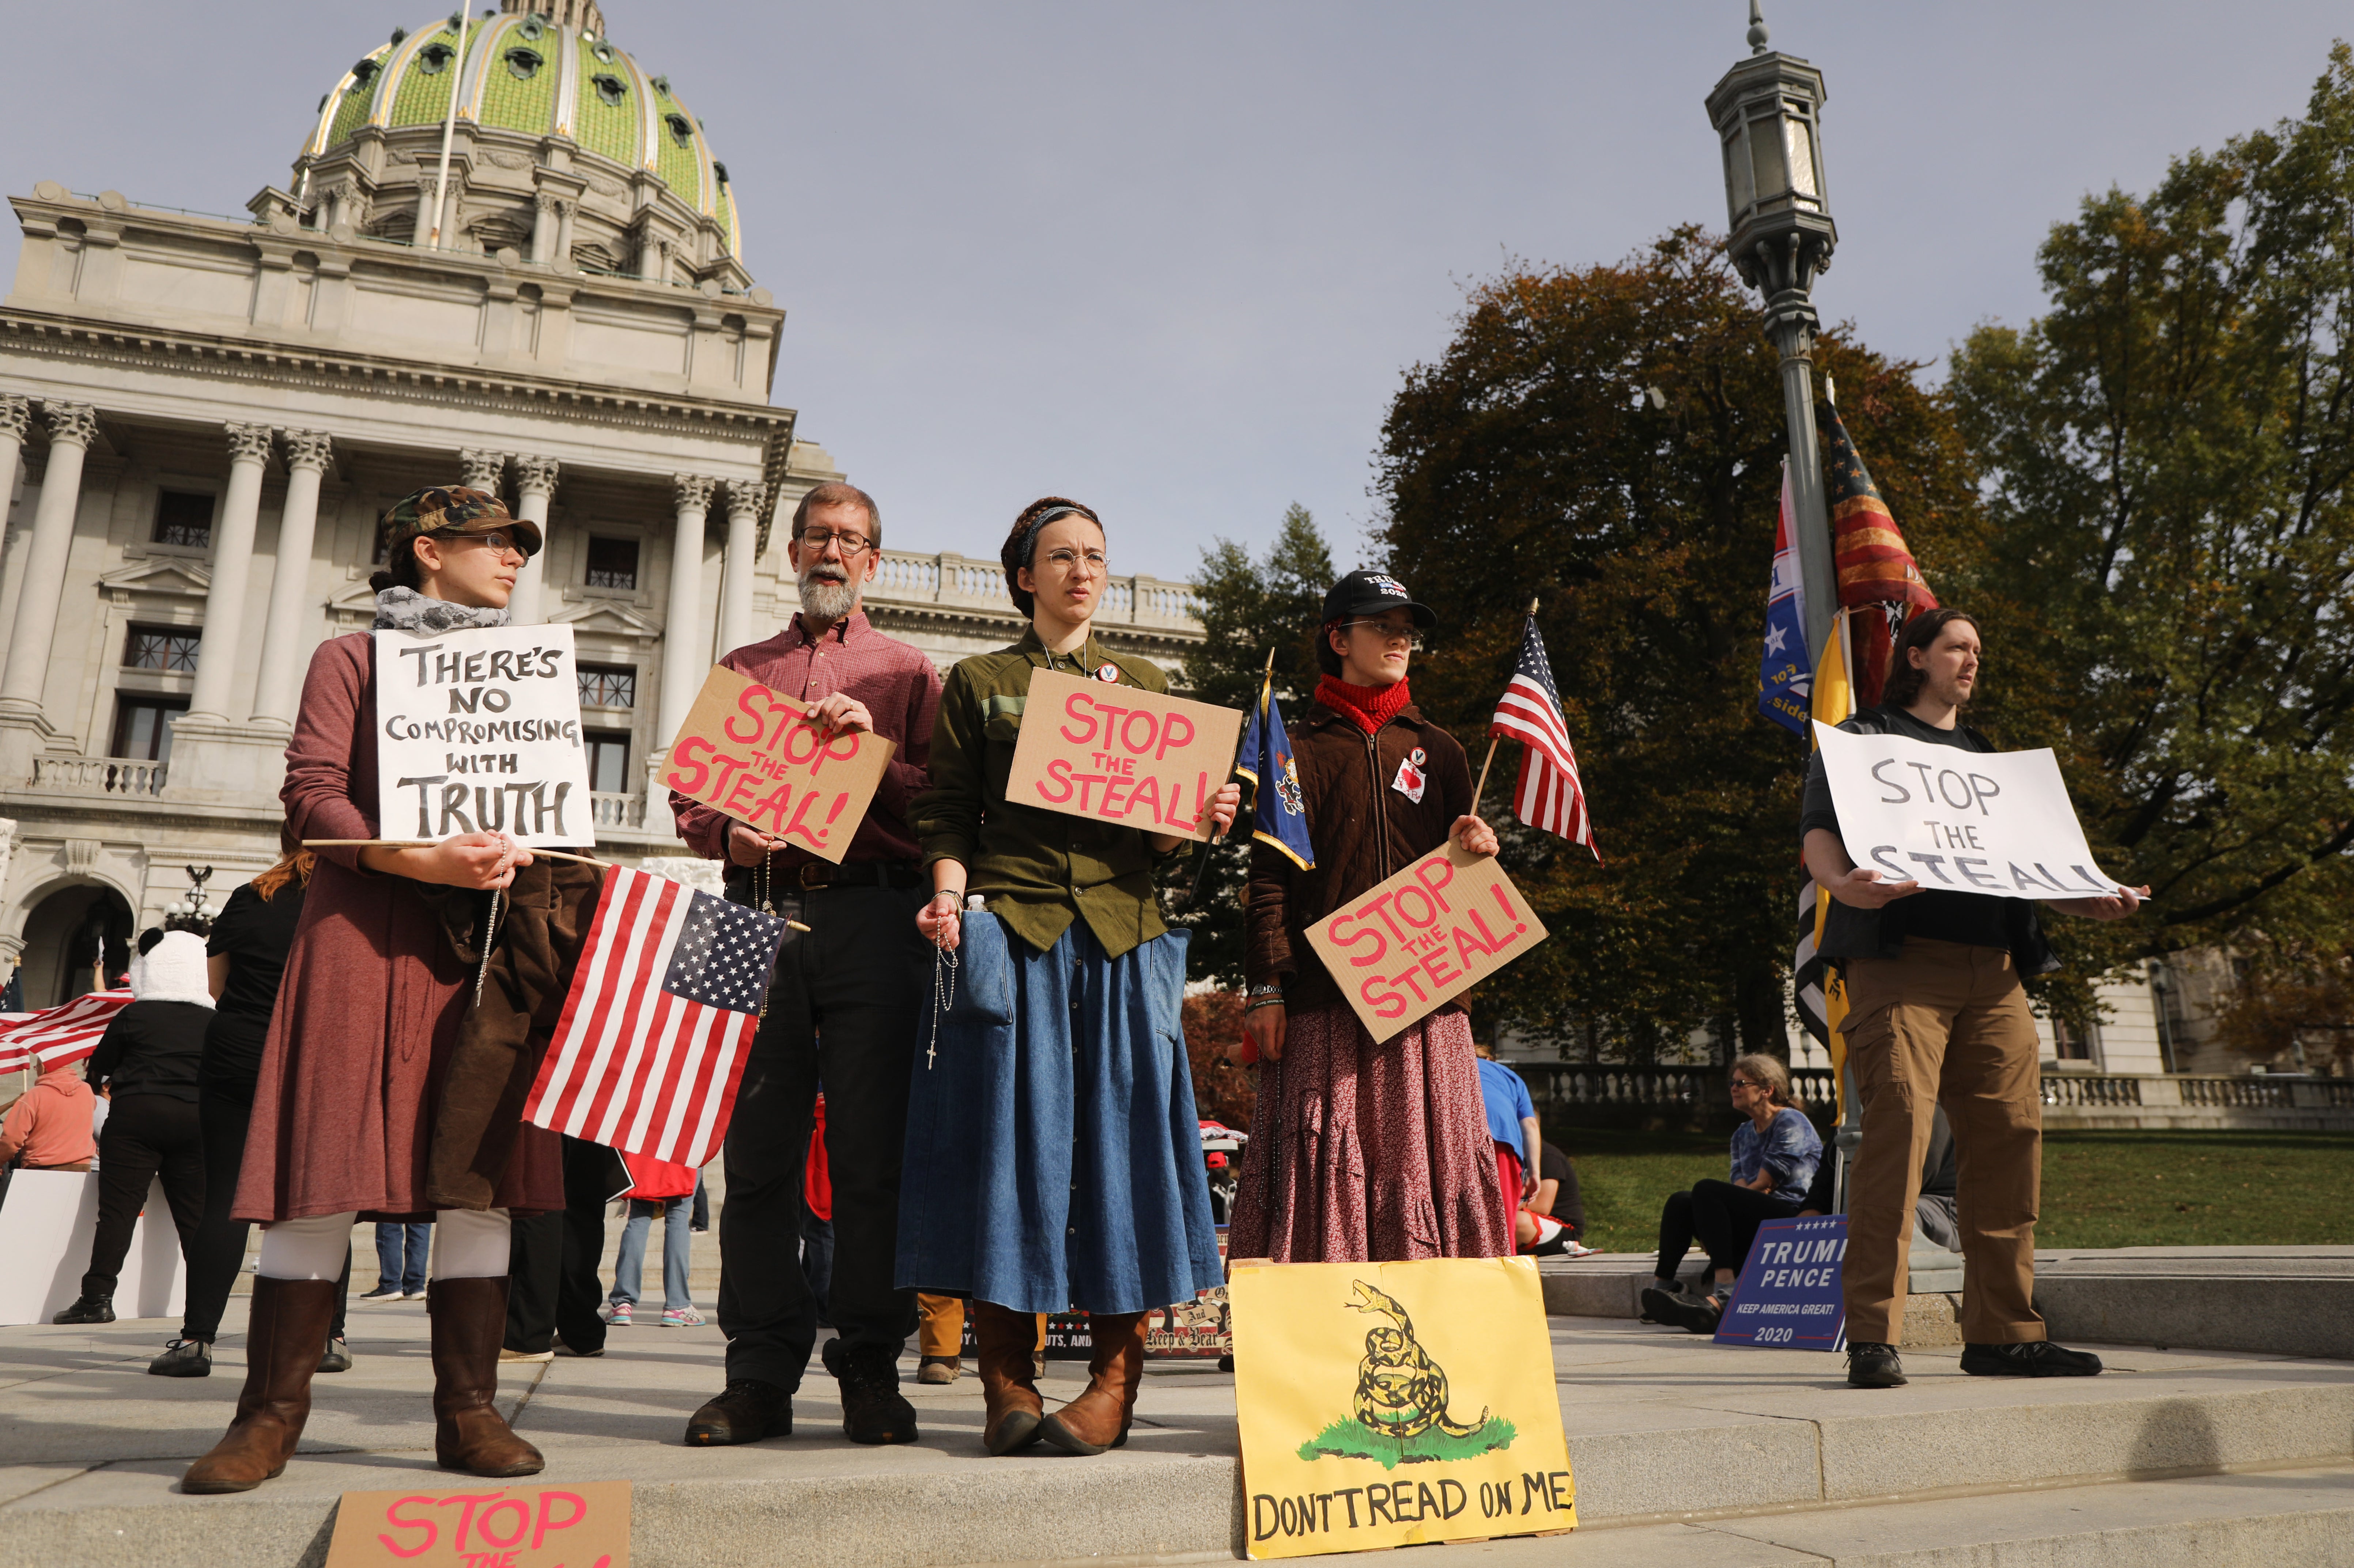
564 149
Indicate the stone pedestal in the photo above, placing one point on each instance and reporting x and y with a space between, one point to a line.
220 762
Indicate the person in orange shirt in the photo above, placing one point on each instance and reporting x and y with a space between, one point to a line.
50 1124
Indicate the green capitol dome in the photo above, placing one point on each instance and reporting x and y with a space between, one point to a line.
566 149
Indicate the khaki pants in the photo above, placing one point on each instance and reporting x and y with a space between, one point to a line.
1946 1022
940 1325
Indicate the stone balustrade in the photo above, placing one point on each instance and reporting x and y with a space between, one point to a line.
97 776
902 578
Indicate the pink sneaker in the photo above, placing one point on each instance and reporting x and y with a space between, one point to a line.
616 1313
683 1318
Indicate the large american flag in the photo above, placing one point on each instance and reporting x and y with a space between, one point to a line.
1548 795
650 1046
44 1040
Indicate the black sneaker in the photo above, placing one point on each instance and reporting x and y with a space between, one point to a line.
338 1356
87 1310
1692 1314
1656 1303
1872 1365
184 1358
2031 1358
745 1411
382 1293
873 1409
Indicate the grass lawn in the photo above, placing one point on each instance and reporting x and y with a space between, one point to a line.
2099 1189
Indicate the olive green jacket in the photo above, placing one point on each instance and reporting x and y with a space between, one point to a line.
1038 870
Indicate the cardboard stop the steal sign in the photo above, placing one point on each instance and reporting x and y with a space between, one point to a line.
747 752
1432 932
1121 754
583 1525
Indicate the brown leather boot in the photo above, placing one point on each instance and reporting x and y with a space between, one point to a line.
283 1332
470 1322
1099 1418
1003 1340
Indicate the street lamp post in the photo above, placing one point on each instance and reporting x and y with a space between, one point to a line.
1767 111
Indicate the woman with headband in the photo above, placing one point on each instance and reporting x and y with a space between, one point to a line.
1054 1153
357 1112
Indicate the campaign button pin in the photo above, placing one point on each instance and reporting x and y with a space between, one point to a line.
1108 672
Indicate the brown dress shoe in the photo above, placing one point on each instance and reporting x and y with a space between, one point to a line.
283 1332
1099 1419
1003 1340
470 1323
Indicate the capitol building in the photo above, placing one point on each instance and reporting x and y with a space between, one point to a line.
540 289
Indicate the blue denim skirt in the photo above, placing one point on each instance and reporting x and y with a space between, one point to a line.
1053 1157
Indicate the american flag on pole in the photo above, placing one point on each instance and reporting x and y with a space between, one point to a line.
1548 795
59 1034
651 1043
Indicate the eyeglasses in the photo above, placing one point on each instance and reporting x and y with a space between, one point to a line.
1067 559
1745 1083
1388 633
497 544
817 539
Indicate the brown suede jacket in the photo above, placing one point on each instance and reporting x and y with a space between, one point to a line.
1364 830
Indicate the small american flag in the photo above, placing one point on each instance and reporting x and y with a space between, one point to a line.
650 1046
59 1034
1548 795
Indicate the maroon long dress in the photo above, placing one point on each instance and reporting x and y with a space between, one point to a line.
370 1008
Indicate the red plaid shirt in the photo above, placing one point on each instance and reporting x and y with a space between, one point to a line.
901 690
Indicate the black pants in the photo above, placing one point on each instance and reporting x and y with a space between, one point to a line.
844 1011
1724 1217
224 1108
552 1283
146 1136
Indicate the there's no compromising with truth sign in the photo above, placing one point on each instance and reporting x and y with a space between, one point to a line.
480 731
1967 822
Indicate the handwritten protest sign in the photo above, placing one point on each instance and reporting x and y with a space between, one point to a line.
747 752
1967 822
479 731
583 1525
1389 1403
1432 932
1120 754
1789 1295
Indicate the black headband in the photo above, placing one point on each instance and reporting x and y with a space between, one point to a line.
1030 535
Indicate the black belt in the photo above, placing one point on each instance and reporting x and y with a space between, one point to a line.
815 873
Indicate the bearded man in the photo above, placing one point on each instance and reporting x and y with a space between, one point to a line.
843 1010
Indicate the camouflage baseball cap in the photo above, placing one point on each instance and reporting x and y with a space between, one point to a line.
454 509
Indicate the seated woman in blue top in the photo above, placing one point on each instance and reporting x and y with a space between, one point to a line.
1775 1153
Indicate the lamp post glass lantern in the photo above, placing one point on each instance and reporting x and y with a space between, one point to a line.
1767 111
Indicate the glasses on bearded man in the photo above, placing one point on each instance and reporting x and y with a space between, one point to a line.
815 540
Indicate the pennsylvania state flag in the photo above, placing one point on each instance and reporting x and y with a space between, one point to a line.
1279 812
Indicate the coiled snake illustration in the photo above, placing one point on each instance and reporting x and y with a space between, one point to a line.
1400 1391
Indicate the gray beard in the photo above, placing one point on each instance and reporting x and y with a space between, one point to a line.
828 602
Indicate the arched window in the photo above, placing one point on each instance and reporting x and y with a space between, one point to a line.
435 58
610 87
681 130
522 63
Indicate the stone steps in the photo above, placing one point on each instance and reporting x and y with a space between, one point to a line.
1680 1448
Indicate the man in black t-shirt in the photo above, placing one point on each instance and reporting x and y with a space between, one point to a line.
1935 1011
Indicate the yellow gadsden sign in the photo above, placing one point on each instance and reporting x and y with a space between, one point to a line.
1390 1404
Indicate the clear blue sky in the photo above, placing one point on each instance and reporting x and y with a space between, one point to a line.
1173 259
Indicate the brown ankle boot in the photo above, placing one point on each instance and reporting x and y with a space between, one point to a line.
470 1323
1003 1340
283 1335
1099 1418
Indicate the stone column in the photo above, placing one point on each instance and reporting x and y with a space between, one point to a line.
562 259
747 504
482 469
286 640
249 450
15 419
72 427
683 666
543 226
534 485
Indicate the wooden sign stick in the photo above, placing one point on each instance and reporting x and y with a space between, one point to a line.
1481 787
1202 860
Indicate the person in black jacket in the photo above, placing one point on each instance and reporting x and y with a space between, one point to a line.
146 1065
246 955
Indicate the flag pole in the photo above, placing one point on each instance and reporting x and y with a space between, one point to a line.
1481 787
1202 860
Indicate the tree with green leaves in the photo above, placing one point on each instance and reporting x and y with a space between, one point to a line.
2169 455
1249 608
1610 439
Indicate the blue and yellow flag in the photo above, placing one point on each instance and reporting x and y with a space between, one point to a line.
1279 812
